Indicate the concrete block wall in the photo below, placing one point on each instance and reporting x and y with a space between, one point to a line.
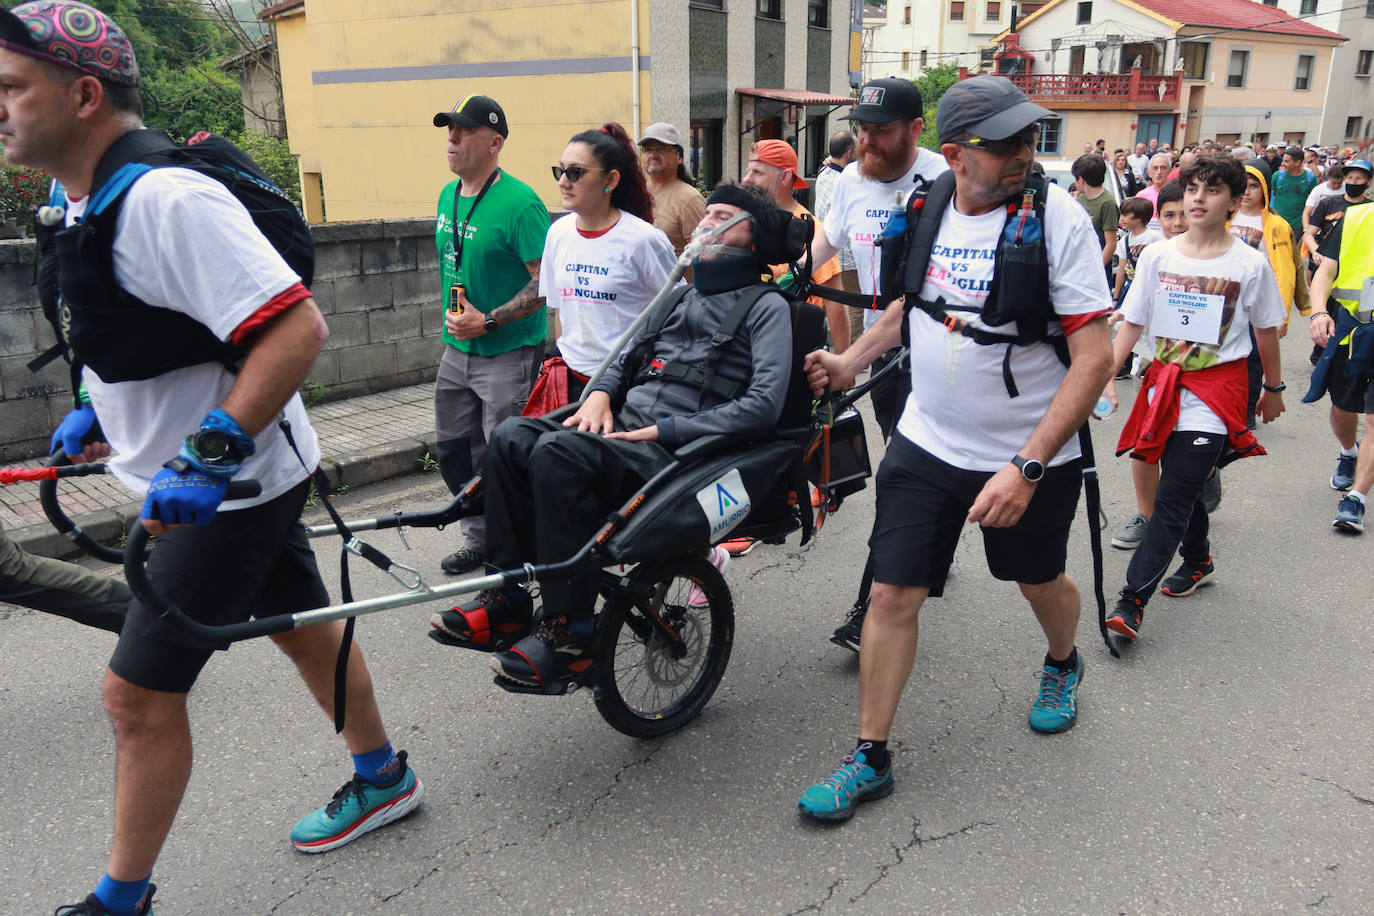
376 282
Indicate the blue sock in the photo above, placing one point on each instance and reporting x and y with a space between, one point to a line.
121 897
380 767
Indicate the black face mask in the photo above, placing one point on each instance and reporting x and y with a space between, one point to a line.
717 275
1356 190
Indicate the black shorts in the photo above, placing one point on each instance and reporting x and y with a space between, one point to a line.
254 562
1353 395
923 504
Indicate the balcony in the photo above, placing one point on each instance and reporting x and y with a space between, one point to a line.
1135 87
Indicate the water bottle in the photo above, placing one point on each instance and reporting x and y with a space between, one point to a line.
1104 408
896 217
891 247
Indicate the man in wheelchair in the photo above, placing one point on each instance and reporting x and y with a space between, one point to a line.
550 485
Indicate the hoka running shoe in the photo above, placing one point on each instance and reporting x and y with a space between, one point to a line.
1344 478
92 906
1132 533
357 808
1056 706
1349 515
1127 617
835 797
1189 578
847 634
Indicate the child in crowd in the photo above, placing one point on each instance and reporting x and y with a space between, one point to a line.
1136 214
1199 293
1145 477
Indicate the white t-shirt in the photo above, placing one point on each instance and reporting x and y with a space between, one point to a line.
1250 294
1324 190
859 212
1138 164
1129 247
1249 229
185 243
959 409
601 285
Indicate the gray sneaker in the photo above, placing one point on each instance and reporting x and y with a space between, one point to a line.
1132 533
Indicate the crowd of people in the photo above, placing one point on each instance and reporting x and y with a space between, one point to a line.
1022 305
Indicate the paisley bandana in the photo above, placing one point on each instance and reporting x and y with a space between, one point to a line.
73 35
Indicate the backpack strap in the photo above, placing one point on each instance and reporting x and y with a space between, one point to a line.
929 209
703 377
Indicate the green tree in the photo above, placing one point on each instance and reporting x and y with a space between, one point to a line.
274 158
933 84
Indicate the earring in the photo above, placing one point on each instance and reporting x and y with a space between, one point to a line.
607 190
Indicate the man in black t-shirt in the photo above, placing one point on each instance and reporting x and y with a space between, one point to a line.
1329 210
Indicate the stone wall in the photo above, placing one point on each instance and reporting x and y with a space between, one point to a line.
376 282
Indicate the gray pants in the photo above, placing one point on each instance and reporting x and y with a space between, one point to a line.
64 589
471 395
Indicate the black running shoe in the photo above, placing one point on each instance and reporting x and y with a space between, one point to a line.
92 906
1189 577
495 620
465 559
550 654
1127 617
847 634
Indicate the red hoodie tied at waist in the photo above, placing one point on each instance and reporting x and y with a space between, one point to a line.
1224 388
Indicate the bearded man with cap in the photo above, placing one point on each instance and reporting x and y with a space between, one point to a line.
678 205
189 261
549 485
972 452
490 236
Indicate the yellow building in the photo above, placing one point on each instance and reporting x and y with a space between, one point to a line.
362 82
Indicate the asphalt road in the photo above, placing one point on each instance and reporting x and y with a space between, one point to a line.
1222 765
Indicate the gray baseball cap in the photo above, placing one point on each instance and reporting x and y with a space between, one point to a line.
986 106
664 132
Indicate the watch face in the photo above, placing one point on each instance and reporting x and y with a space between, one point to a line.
213 447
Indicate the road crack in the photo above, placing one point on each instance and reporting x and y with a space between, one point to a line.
1331 782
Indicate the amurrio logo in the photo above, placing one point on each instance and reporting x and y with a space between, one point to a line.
725 503
873 95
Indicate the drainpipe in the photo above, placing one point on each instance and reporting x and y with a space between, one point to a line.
634 63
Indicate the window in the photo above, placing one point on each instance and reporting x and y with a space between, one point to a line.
906 16
985 58
770 9
1352 127
1306 64
1085 12
705 153
1362 65
1309 7
1271 2
1369 9
818 13
1051 129
1261 139
956 11
923 59
1076 55
906 60
1236 71
994 10
1194 54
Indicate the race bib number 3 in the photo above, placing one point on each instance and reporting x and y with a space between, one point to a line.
1181 315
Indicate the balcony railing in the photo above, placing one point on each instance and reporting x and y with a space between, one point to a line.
1108 87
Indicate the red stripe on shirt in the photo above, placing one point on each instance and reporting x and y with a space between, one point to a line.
271 309
1071 323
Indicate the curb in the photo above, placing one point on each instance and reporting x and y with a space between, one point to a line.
371 465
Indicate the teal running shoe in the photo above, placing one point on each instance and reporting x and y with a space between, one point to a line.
835 797
357 808
1056 708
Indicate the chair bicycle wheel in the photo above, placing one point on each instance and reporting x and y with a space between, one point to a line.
656 680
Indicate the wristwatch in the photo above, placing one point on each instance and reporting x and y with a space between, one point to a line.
1030 469
491 326
215 449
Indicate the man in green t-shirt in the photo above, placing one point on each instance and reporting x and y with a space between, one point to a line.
1289 189
1089 179
494 321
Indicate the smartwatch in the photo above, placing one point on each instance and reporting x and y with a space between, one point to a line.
215 449
491 325
1030 469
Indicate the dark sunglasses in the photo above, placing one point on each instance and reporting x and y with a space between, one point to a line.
1028 139
574 172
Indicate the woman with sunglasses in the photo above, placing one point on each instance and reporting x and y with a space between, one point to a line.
603 262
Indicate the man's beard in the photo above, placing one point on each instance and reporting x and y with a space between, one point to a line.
888 166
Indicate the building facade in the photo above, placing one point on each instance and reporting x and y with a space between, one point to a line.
1348 115
361 85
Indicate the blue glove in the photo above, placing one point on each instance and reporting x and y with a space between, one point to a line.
185 497
77 429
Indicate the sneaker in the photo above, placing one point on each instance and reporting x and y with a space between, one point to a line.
719 557
1211 492
1132 533
739 547
1127 367
550 654
847 634
92 906
835 797
496 619
463 560
1344 478
1056 706
357 808
1349 515
1126 618
1189 578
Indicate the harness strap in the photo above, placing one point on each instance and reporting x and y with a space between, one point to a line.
1092 492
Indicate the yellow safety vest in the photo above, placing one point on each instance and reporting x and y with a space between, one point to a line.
1356 263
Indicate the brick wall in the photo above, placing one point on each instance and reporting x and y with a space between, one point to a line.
376 282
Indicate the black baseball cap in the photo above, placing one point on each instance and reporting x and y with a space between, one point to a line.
888 99
474 111
990 107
